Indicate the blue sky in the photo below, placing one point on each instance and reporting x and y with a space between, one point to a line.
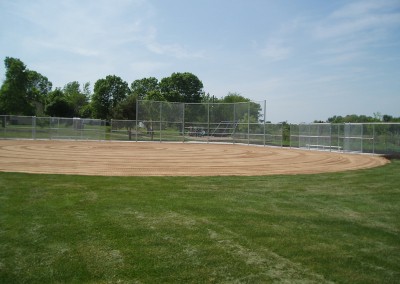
308 59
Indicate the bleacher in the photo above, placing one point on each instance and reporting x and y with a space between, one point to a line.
224 128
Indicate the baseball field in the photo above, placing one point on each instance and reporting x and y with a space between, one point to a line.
114 212
171 159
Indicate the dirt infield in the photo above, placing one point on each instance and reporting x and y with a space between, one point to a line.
170 159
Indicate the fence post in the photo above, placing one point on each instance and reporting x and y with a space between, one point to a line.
33 127
58 126
338 137
208 122
298 136
111 131
160 124
105 129
183 122
373 138
248 123
330 137
265 119
234 122
137 117
362 137
3 124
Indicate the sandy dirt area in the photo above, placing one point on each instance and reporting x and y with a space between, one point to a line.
170 159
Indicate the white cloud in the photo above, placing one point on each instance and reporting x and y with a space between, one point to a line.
87 40
275 50
355 31
94 28
176 50
363 18
361 8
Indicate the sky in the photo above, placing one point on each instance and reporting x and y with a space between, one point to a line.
309 59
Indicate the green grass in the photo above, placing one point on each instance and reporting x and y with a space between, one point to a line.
342 227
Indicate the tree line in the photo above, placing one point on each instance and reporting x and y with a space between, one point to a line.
353 118
27 92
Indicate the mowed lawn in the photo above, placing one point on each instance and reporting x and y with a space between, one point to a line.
342 227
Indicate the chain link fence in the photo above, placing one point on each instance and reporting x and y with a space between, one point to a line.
31 127
373 138
202 122
242 123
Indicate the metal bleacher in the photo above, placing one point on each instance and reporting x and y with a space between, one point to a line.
224 128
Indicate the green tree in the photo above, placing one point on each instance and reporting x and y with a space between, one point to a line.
390 118
108 93
126 109
207 98
155 96
23 92
13 92
142 88
38 88
353 118
244 109
234 98
182 87
58 105
76 97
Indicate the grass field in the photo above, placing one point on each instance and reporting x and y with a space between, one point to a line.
342 227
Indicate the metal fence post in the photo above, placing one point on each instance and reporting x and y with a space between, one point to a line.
183 121
248 123
330 137
234 121
160 124
338 137
4 123
33 127
298 135
111 130
373 138
208 122
137 119
104 129
58 125
265 119
362 137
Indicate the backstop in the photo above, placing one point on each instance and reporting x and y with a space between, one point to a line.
199 122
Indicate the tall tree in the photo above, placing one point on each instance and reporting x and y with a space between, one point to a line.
234 98
23 91
58 105
126 109
182 87
77 98
108 93
143 87
13 99
38 89
249 111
